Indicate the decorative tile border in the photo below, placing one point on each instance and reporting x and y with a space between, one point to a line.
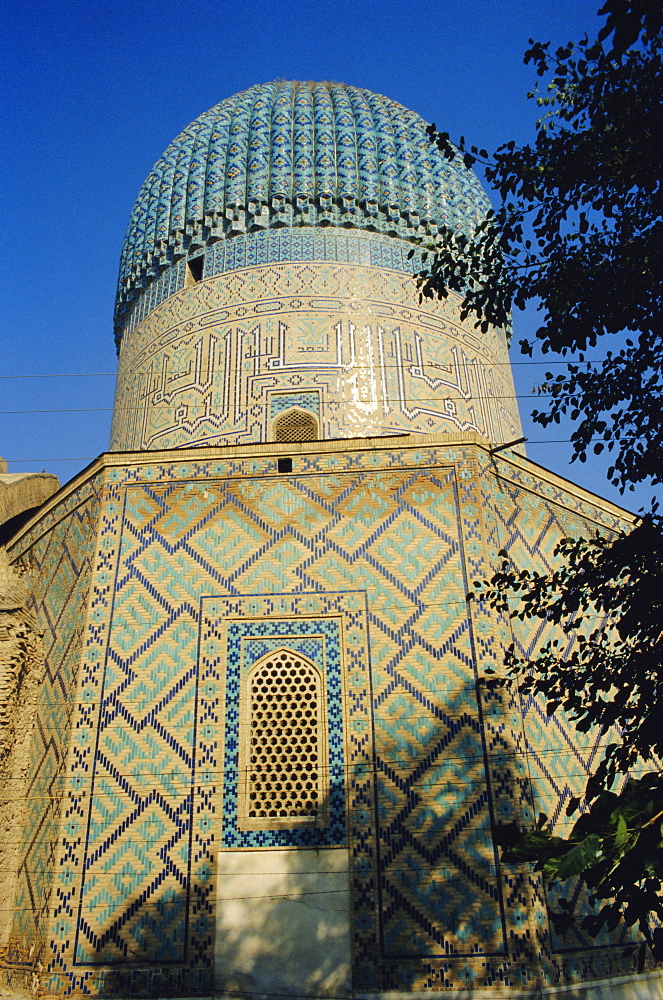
281 401
275 246
235 631
155 512
318 639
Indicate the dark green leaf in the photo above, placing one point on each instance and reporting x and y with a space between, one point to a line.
576 860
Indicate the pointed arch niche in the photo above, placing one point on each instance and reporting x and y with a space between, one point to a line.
283 759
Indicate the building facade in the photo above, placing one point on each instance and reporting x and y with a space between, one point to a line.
262 758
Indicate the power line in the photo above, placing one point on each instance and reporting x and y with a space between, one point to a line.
472 397
513 602
491 872
200 407
230 775
233 774
428 364
254 874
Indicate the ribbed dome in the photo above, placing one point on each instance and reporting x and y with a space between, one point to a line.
293 154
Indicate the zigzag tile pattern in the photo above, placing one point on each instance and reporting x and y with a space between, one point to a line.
341 533
198 559
59 564
559 760
182 540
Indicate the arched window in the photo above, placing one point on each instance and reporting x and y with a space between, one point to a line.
295 425
283 749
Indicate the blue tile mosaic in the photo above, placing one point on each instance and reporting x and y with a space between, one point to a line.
279 402
289 153
274 246
382 543
319 640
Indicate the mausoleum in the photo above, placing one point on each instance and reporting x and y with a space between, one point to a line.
259 756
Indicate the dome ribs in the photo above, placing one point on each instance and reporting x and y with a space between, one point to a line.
148 252
215 177
178 194
347 181
389 190
304 148
281 158
423 153
136 234
165 196
289 154
404 161
257 165
367 151
325 149
236 160
195 186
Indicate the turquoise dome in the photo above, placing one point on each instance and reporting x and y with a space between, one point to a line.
293 154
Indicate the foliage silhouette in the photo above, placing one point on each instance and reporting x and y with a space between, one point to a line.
580 232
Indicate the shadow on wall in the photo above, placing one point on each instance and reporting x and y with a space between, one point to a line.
283 922
446 914
278 922
445 774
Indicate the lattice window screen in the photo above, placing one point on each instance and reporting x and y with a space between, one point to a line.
296 425
283 764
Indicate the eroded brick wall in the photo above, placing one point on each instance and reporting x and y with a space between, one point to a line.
21 671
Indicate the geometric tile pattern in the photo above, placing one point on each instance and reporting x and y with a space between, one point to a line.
317 624
205 560
157 780
172 280
279 402
247 641
203 367
296 245
559 759
294 154
396 536
57 558
276 246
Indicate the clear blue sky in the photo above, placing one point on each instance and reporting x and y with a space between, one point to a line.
92 93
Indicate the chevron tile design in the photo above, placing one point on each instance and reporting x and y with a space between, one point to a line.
361 560
59 564
559 760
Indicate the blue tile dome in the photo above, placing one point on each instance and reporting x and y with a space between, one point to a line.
292 154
